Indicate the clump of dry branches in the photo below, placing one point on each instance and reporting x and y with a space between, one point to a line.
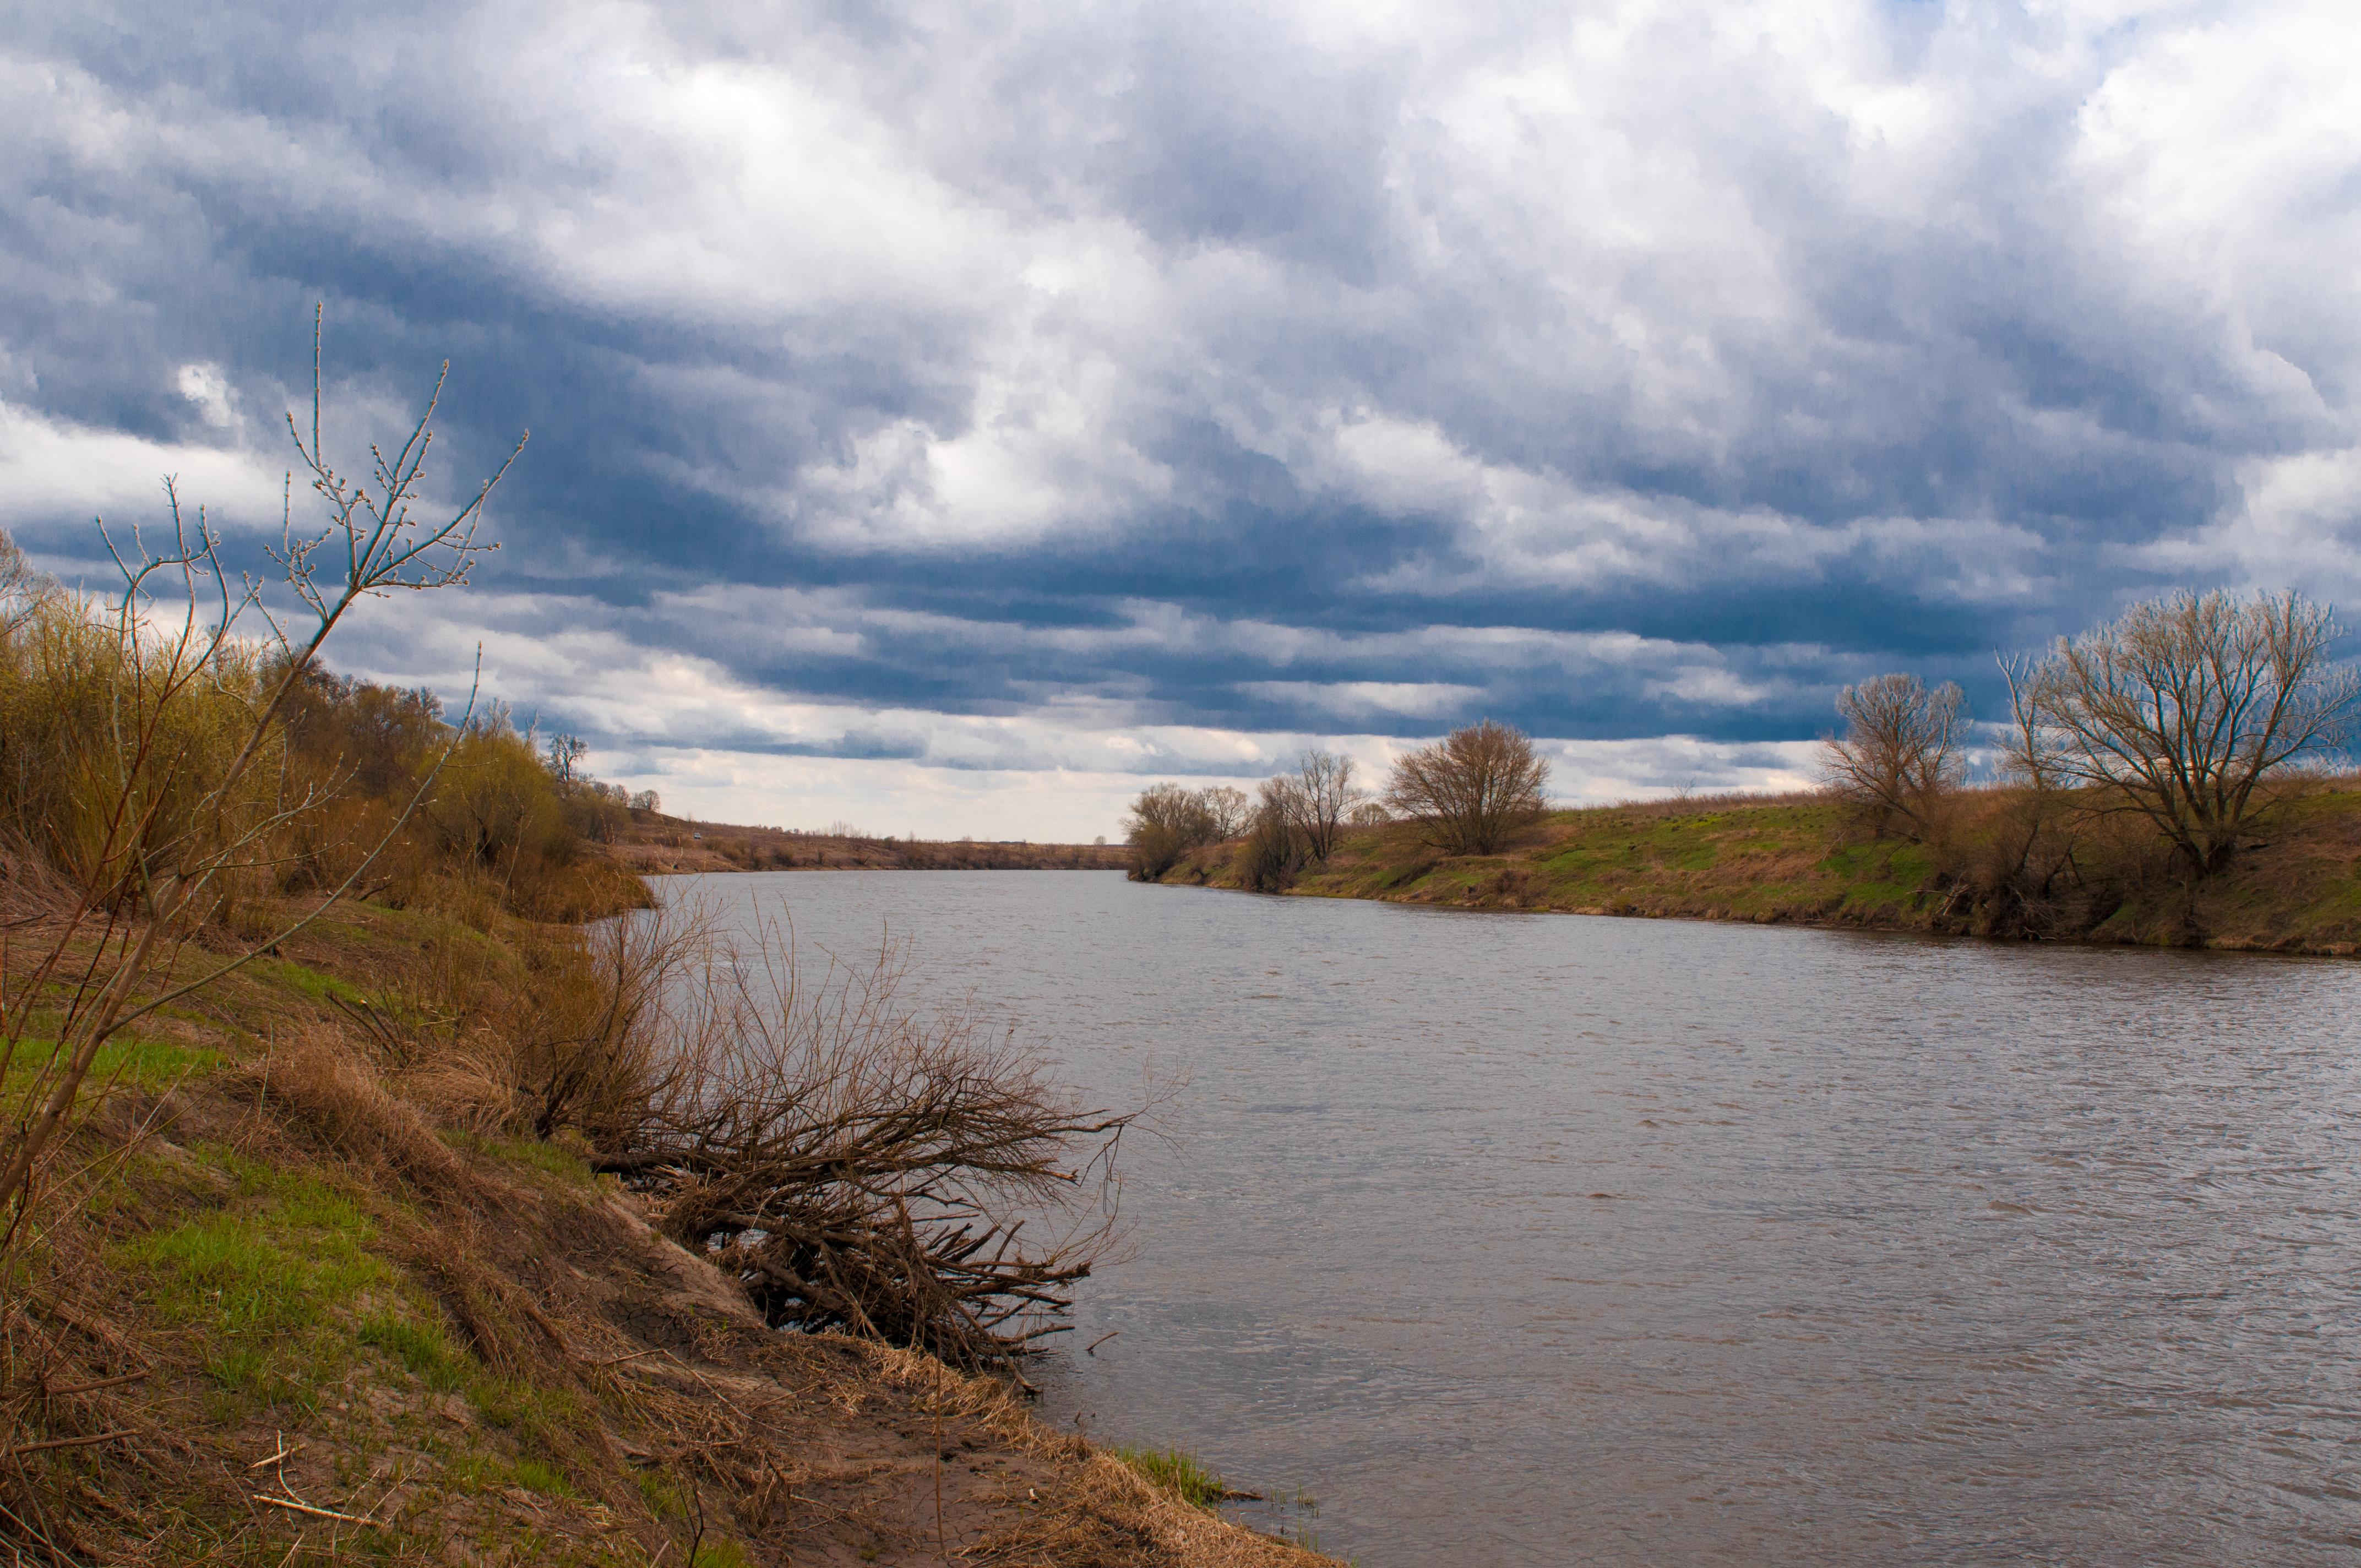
860 1161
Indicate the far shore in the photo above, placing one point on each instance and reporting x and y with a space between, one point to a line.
1795 860
663 846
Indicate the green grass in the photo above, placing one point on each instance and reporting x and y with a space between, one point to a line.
269 1284
1177 1472
130 1062
537 1475
660 1495
720 1554
552 1159
304 981
421 1347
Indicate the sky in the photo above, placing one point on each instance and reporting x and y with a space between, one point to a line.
949 419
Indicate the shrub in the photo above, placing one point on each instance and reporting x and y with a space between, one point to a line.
1472 789
1900 753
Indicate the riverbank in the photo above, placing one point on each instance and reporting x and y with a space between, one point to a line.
662 846
1798 860
294 1294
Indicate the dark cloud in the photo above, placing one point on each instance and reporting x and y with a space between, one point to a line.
1648 371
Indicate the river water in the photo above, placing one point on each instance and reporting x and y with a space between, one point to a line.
1545 1239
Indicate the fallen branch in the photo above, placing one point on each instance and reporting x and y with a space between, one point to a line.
290 1504
66 1442
93 1387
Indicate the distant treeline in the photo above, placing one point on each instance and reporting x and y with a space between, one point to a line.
667 844
1470 791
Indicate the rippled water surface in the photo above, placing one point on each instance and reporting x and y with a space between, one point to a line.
1542 1239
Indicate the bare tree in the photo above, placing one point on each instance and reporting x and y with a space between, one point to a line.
171 831
1228 812
1321 795
1902 749
1473 788
24 590
2185 707
1274 848
565 753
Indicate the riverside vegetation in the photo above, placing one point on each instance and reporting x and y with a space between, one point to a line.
2166 780
359 1201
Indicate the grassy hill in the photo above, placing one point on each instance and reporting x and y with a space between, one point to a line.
1800 859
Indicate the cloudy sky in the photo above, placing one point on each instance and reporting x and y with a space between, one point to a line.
949 418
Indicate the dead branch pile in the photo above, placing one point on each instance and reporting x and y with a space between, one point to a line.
860 1162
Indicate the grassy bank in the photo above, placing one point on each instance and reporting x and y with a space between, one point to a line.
297 1289
1805 860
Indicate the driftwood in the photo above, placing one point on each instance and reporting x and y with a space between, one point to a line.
858 1163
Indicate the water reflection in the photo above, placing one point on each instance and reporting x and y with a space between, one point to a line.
1542 1239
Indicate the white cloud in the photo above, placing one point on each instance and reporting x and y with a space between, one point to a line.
52 468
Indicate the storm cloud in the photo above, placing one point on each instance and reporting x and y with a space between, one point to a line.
963 412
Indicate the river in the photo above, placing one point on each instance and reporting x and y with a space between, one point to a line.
1545 1239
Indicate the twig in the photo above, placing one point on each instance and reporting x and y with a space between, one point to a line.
284 1452
66 1442
1093 1348
308 1509
92 1387
619 1360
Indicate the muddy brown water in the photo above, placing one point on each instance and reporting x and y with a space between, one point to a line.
1544 1239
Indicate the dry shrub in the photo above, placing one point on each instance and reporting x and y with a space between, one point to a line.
30 890
591 887
1473 789
592 1038
860 1162
318 1084
114 754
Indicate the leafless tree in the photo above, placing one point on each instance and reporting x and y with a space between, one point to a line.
1274 846
1902 749
565 753
1473 788
152 876
1228 812
1323 795
2183 709
24 588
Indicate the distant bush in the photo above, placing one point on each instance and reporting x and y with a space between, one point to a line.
1272 853
1472 789
1902 750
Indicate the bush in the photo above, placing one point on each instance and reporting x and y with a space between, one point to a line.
1168 821
1901 752
1472 789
